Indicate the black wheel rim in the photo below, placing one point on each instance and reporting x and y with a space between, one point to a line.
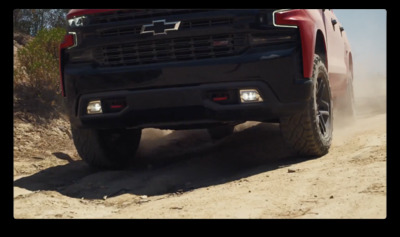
323 106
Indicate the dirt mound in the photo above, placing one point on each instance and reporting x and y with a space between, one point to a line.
41 130
19 41
39 146
28 106
21 38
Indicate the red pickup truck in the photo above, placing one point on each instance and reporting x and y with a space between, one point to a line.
125 70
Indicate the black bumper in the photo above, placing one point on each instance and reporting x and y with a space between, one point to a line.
184 107
168 80
179 94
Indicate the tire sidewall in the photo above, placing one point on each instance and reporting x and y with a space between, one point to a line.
320 72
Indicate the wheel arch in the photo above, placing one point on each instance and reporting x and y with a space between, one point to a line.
320 48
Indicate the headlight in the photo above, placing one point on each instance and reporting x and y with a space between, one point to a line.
285 18
77 21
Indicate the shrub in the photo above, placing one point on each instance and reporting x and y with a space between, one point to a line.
38 69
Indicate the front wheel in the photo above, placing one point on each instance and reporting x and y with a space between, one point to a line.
309 132
106 148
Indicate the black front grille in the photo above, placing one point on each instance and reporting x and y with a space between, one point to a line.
185 25
169 50
118 31
127 15
206 23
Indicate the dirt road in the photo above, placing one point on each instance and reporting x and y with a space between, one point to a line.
183 174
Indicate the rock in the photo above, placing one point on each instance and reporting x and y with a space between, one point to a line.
176 208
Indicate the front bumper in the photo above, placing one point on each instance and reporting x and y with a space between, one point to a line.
174 95
190 106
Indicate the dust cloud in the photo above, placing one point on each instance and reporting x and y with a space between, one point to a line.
370 94
370 103
158 145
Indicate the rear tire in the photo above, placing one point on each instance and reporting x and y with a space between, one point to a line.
106 148
309 132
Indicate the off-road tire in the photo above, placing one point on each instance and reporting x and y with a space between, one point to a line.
309 132
220 132
106 148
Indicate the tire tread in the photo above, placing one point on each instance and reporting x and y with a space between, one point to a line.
300 130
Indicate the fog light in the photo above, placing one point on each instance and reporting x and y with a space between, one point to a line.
94 107
250 96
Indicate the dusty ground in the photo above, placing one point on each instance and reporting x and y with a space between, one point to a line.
183 174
